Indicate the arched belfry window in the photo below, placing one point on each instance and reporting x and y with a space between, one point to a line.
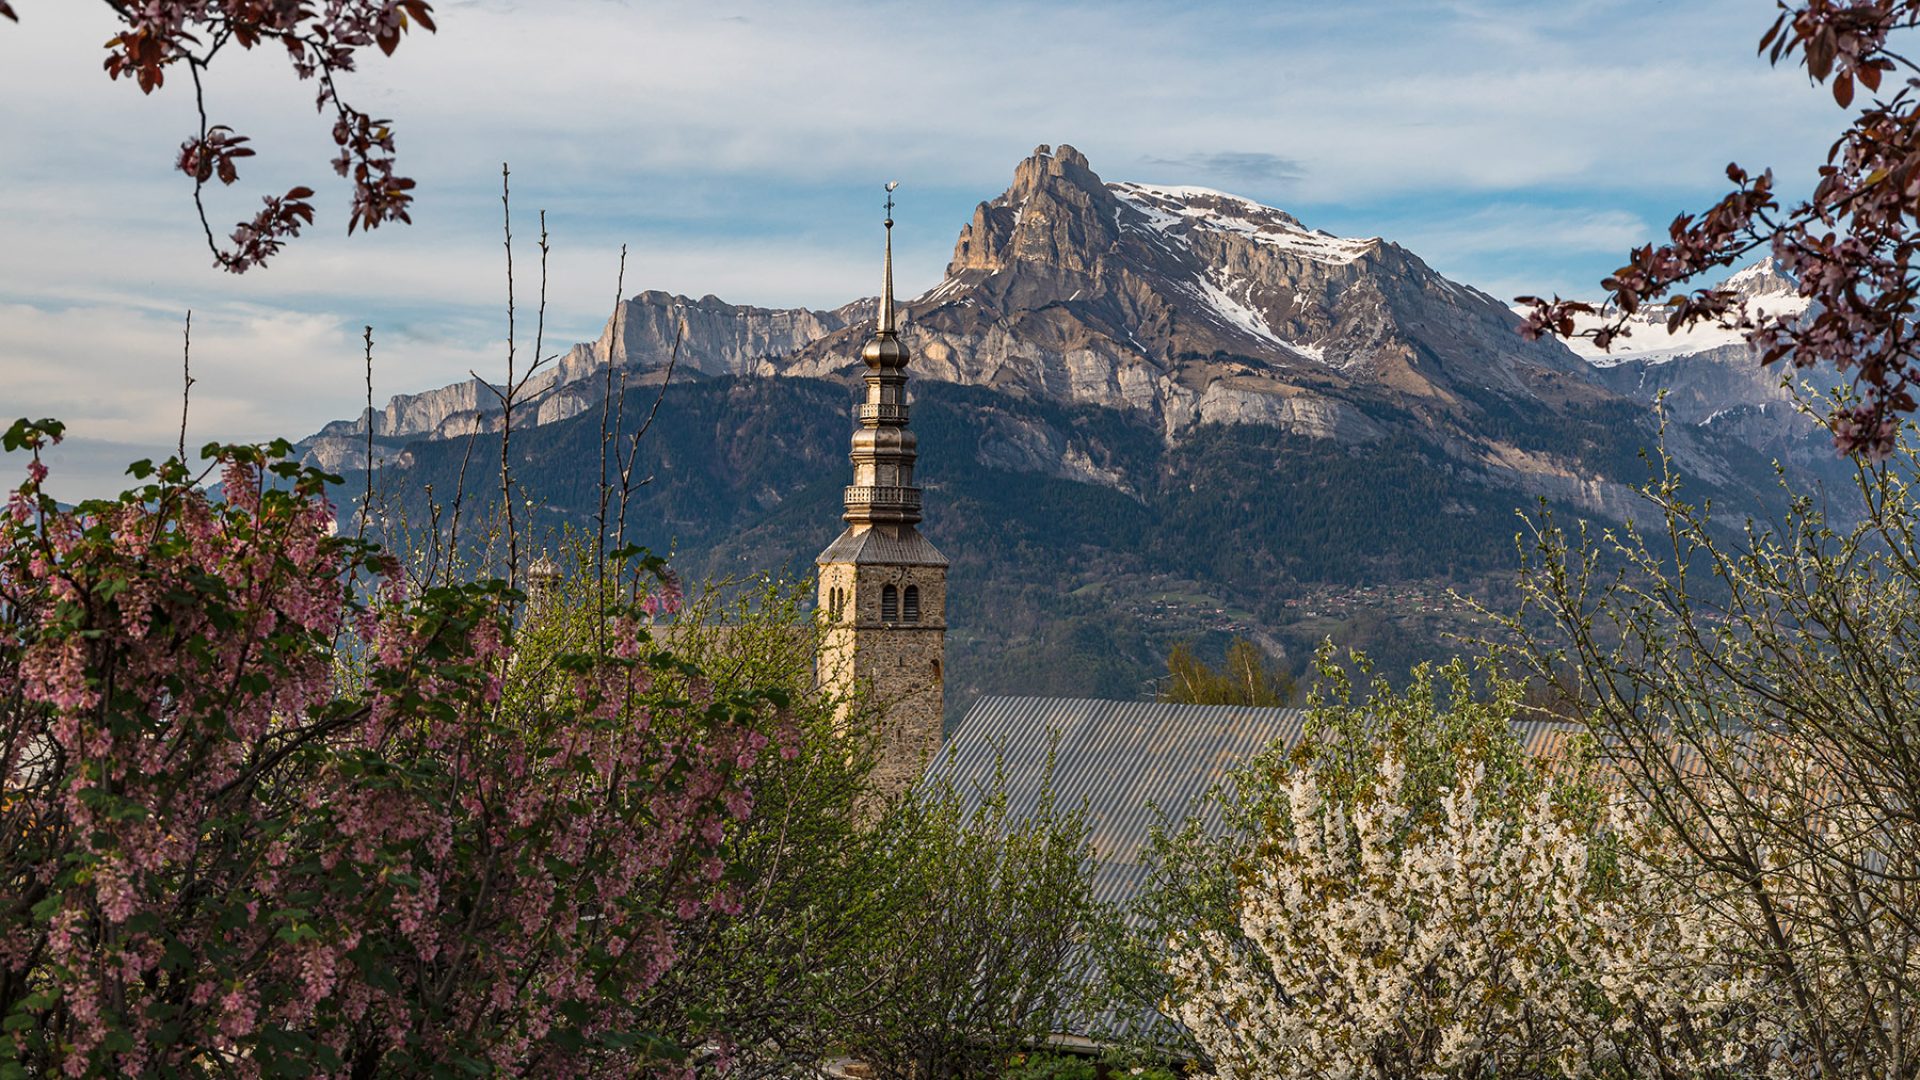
836 603
889 604
913 603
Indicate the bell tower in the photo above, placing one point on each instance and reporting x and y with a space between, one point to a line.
883 586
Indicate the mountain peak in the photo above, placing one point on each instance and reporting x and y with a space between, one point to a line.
1764 287
1764 278
1190 305
1057 208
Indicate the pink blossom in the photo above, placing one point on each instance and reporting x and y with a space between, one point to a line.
289 783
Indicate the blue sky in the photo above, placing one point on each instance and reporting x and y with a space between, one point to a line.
738 149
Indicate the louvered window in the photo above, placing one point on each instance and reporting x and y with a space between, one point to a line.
889 604
913 603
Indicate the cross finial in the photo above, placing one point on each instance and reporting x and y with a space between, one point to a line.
886 289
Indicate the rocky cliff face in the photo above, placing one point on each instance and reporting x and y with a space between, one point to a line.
435 414
1188 307
702 337
1200 306
713 337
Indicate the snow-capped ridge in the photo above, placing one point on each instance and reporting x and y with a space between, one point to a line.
1766 288
1175 209
1764 278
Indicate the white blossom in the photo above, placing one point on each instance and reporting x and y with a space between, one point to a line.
1379 940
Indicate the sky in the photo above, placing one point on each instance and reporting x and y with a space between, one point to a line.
739 148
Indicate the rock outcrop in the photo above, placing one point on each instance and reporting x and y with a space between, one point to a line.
708 335
1201 306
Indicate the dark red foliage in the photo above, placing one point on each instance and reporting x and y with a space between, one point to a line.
1851 245
321 40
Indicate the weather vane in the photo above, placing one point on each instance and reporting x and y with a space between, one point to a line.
891 184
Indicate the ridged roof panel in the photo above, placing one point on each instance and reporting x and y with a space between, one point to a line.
1131 763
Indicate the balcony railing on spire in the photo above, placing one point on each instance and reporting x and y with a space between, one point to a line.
896 498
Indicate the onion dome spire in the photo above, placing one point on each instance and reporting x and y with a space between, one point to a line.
884 449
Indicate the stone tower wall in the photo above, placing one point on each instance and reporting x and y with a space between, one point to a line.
900 664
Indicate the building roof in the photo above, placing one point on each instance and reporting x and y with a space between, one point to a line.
1133 763
878 545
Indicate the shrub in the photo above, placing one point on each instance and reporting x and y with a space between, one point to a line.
268 812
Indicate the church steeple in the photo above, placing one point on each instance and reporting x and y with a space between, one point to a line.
883 586
884 449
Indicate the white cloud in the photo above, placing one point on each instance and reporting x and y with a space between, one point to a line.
1523 232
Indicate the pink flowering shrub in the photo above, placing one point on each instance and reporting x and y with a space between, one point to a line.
263 812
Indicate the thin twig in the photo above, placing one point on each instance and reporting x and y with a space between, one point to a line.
199 179
186 382
633 448
606 400
513 392
459 496
366 501
506 399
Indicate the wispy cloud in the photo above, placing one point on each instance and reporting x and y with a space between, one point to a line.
1539 231
1247 166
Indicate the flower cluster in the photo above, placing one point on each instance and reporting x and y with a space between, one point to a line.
1381 937
251 824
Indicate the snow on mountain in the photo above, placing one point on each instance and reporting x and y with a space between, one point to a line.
1766 289
1175 211
1192 306
1708 375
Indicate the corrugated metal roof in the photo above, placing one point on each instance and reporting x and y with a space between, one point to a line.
1132 763
1129 761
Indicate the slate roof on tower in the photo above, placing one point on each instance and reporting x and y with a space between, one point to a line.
874 546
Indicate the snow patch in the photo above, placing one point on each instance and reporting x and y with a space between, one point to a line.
1767 291
1236 314
1650 341
1175 210
945 287
1315 353
1218 295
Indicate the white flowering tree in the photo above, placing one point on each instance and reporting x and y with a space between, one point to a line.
1756 686
1419 900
